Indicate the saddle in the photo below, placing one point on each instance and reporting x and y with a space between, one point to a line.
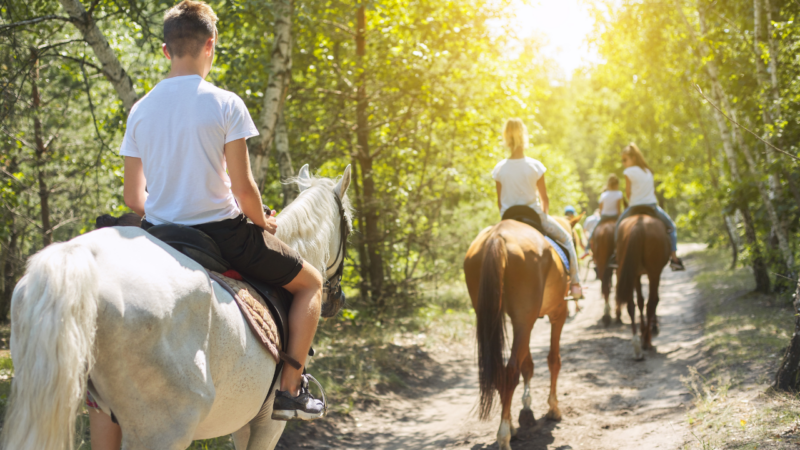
643 210
526 215
265 307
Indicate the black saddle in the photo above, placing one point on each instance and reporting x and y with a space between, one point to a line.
526 215
605 219
643 210
200 247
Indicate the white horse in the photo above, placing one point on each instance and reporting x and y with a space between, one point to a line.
167 349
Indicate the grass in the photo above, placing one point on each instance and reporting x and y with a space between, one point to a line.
744 337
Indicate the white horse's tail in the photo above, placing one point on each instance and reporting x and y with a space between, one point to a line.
53 316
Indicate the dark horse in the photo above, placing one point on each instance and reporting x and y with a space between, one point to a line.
602 248
511 269
642 249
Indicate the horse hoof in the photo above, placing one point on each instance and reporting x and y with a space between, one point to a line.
606 320
553 414
619 321
654 330
526 419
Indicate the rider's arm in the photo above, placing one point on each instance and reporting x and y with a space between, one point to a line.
542 187
627 187
244 187
134 185
499 188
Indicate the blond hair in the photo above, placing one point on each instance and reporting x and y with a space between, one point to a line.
187 27
633 152
613 183
515 134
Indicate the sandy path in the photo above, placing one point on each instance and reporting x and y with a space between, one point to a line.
608 400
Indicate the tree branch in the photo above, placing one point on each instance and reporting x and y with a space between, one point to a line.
34 20
743 127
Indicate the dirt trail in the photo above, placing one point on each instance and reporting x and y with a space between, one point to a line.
608 400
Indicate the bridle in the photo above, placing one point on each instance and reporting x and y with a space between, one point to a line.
333 285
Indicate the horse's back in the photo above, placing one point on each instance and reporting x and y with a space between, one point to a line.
646 237
532 265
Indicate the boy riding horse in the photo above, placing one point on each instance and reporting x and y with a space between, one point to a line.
186 162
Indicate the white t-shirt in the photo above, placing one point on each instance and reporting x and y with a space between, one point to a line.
179 130
643 188
591 223
609 199
518 178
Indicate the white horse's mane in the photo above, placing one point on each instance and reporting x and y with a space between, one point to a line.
310 224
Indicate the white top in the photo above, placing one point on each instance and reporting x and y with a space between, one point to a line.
518 178
591 223
643 188
179 130
609 199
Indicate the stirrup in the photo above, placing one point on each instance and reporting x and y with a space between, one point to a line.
308 376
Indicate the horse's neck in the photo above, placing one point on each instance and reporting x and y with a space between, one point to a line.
309 236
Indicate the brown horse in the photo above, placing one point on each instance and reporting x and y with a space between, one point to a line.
642 249
602 248
511 269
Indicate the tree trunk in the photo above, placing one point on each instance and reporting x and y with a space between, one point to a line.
112 68
280 74
365 159
363 261
40 154
788 376
8 272
760 271
290 190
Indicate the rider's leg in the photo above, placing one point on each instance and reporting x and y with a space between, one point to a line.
671 228
303 318
559 234
104 433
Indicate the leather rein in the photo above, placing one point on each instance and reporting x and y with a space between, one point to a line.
333 284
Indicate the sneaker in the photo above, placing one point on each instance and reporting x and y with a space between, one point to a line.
302 407
576 291
676 265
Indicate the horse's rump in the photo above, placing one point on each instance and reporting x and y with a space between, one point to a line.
643 246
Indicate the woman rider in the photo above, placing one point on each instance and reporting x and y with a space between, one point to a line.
640 190
518 180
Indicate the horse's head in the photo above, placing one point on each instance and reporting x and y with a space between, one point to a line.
317 225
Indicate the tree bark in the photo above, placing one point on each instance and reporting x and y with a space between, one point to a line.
290 190
8 273
112 68
788 376
40 154
280 74
365 159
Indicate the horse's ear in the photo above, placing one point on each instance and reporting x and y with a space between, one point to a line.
304 178
575 220
344 183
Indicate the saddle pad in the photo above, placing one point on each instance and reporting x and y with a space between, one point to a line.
255 311
560 252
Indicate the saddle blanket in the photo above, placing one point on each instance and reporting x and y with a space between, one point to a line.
255 311
560 252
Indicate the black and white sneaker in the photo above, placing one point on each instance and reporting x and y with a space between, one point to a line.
676 265
302 407
612 261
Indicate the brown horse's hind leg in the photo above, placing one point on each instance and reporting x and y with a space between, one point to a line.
635 341
652 304
554 361
640 304
526 418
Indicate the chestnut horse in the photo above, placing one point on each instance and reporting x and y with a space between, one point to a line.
642 249
602 248
511 269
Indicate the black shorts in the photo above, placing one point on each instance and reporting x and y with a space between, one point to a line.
253 252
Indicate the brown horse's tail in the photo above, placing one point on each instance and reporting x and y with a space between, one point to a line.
630 263
491 332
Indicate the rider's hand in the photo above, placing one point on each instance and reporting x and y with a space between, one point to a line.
271 224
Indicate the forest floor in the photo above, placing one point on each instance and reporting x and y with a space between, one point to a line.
704 385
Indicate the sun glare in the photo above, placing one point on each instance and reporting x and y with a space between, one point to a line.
564 26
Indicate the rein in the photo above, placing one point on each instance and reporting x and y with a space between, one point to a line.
332 285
